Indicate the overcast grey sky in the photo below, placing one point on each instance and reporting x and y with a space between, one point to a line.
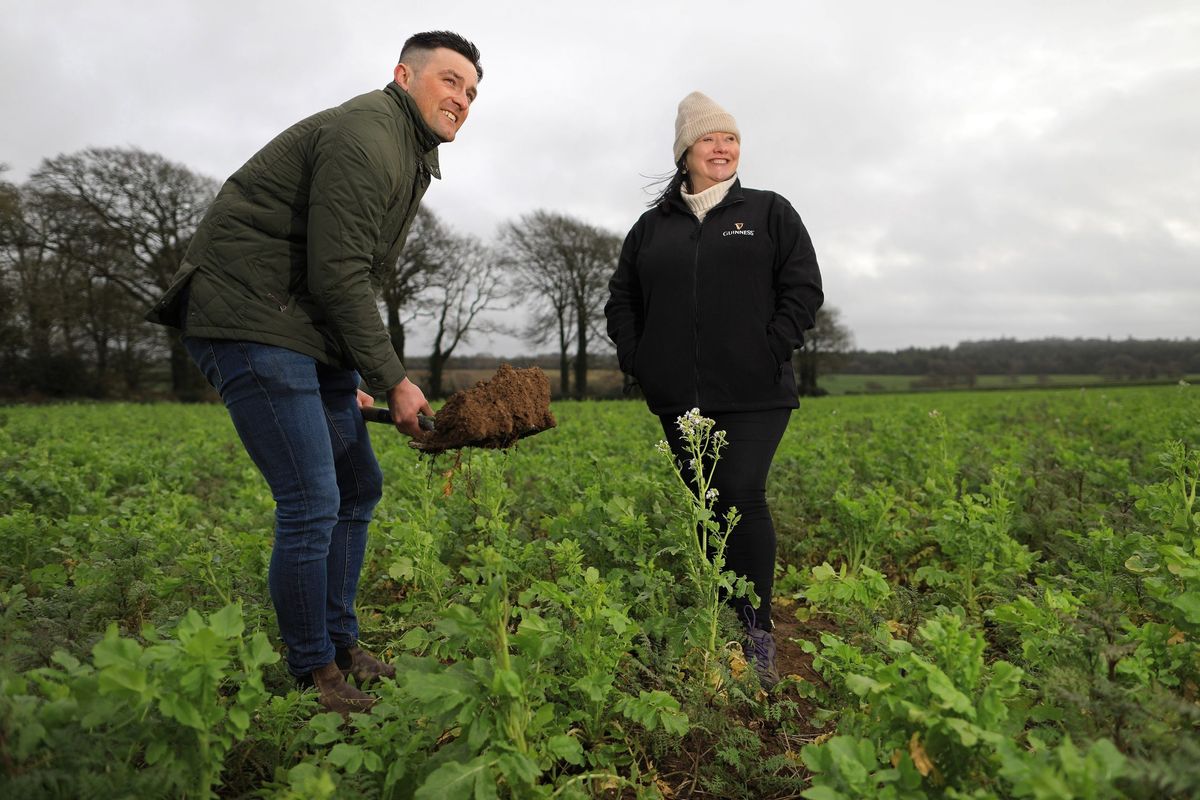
966 170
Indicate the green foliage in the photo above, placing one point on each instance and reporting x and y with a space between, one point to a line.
973 533
868 523
557 622
842 592
83 725
1063 772
943 699
845 768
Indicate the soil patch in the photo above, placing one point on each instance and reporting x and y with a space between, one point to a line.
790 659
495 413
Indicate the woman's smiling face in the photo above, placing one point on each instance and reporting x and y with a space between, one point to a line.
711 159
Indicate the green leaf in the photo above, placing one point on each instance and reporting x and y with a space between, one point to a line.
455 781
565 748
596 687
507 683
401 569
823 793
862 686
240 719
328 727
347 756
847 754
182 711
534 644
112 649
260 653
1105 761
310 782
415 639
1189 604
121 676
1137 565
816 757
156 750
655 708
228 622
675 722
443 691
944 689
968 734
519 768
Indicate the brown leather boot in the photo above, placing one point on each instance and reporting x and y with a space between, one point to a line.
362 665
336 695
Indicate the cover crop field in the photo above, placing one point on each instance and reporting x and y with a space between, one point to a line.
984 595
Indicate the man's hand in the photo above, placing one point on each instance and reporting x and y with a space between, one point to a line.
365 400
406 400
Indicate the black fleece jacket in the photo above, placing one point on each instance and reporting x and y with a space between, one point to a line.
707 314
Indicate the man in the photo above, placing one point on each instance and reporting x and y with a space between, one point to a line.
276 298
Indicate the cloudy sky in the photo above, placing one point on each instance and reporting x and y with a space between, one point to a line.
966 170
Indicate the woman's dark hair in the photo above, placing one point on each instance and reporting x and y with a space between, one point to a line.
675 181
432 40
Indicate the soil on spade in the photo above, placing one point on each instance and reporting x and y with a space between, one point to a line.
512 404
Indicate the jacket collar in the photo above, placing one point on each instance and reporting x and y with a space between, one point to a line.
734 195
426 140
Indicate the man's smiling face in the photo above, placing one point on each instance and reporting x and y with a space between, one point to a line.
443 83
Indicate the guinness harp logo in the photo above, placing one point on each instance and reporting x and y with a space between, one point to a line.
738 230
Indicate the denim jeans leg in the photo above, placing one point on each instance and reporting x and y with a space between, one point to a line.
360 485
274 398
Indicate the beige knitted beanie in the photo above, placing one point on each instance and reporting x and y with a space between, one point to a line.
698 116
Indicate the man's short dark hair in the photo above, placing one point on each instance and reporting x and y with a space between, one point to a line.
432 40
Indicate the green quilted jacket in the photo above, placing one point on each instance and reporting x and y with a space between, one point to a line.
293 247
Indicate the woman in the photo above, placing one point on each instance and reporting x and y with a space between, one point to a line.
714 289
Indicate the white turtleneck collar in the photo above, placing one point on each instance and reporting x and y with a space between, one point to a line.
703 202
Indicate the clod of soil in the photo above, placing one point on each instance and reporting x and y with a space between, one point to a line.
495 413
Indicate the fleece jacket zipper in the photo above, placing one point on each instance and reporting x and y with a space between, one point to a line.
696 290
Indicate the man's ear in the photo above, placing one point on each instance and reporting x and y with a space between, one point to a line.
403 75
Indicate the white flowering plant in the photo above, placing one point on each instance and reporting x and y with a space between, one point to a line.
704 536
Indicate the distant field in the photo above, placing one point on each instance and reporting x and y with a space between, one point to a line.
607 383
855 384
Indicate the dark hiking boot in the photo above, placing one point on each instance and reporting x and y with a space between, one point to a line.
334 694
759 647
362 665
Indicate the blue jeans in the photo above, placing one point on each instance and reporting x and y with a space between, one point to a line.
300 422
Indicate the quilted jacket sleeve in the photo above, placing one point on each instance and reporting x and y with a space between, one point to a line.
349 195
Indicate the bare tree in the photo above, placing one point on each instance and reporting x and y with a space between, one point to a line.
563 265
468 284
30 268
10 329
424 253
54 255
537 276
827 339
147 208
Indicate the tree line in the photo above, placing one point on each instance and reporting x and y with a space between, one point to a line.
1117 359
92 238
